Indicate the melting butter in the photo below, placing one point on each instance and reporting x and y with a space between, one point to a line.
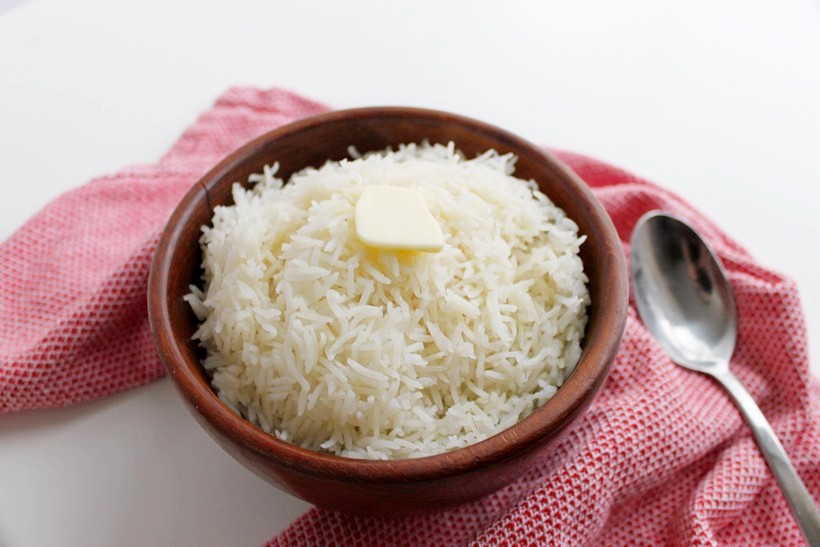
396 218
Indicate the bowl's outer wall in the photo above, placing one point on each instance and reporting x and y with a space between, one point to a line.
380 488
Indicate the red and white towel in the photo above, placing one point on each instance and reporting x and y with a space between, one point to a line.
661 457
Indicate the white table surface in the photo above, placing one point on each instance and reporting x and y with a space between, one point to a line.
719 101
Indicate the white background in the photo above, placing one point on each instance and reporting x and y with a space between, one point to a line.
719 101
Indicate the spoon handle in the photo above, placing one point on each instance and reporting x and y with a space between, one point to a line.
799 499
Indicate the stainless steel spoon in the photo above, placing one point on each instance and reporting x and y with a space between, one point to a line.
685 301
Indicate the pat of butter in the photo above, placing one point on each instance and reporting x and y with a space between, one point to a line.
395 218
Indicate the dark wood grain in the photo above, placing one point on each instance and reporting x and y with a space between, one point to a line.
403 486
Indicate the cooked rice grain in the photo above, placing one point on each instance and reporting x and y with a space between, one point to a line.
333 346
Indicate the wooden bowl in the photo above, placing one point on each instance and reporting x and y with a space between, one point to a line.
400 486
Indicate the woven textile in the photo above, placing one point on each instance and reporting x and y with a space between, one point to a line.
73 280
662 456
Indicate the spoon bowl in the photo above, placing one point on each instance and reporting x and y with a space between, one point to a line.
685 300
682 293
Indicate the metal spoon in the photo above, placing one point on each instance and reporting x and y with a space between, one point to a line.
685 301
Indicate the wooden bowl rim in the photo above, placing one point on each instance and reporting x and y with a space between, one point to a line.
598 352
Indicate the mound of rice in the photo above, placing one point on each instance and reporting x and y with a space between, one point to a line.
338 347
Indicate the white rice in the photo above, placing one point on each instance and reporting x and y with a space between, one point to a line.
337 347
